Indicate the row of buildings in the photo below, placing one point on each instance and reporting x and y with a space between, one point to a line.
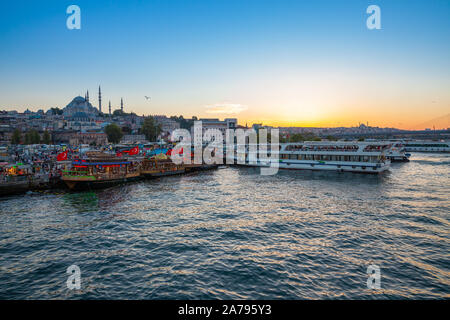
79 122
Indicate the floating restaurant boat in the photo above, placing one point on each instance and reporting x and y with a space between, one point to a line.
160 166
100 170
427 146
364 157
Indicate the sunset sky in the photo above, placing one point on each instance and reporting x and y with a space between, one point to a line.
287 63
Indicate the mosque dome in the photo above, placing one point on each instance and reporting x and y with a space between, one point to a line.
78 99
81 107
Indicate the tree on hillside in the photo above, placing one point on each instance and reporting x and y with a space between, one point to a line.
150 129
126 130
46 137
35 137
305 136
32 137
56 111
184 123
296 137
114 133
27 139
16 136
331 138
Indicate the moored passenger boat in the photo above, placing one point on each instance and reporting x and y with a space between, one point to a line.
17 180
159 167
364 157
427 146
100 170
397 153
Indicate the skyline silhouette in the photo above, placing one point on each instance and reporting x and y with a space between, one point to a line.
282 63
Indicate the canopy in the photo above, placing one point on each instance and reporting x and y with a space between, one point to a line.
157 151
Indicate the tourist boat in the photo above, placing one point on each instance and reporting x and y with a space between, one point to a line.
99 170
159 167
15 178
365 157
397 153
427 146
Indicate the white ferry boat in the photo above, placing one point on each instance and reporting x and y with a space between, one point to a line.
397 153
427 146
365 157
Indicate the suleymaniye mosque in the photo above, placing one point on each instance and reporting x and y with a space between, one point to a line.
80 107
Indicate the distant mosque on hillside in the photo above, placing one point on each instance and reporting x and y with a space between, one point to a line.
80 108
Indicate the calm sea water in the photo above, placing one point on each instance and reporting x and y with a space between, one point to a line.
232 234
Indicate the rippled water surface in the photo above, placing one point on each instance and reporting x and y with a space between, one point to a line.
232 233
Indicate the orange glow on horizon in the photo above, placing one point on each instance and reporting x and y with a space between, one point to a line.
440 123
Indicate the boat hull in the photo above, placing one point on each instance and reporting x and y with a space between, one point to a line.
80 184
356 167
398 159
202 167
14 188
162 173
431 150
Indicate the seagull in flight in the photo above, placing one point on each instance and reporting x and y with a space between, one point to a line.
148 98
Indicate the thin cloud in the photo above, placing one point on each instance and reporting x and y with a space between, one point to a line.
226 108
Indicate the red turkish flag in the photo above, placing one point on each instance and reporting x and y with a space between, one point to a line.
171 152
133 151
62 156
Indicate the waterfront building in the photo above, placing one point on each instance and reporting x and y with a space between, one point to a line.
133 139
167 125
81 121
222 126
91 138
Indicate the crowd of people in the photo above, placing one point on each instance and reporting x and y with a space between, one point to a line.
37 163
44 162
320 147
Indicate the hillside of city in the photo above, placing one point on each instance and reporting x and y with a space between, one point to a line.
79 122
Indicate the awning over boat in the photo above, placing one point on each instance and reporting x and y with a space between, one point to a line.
86 163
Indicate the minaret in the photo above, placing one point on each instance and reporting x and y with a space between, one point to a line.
121 104
110 108
87 96
99 99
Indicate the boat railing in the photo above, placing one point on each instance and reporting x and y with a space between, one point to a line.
74 172
106 176
321 148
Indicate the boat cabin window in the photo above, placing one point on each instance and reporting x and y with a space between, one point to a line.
294 147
